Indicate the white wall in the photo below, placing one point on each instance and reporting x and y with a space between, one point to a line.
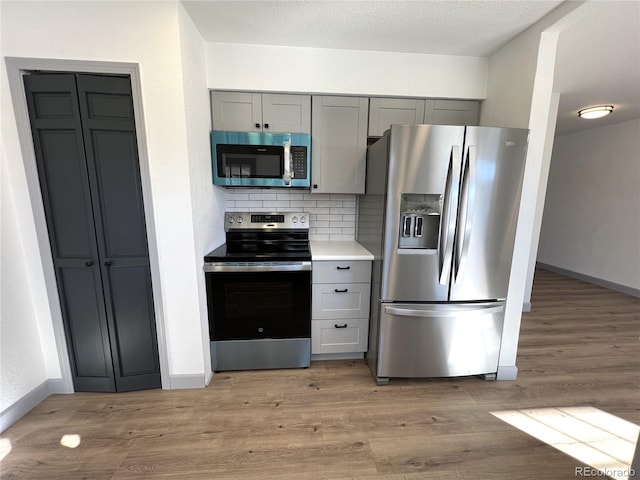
349 72
512 73
21 369
145 33
520 94
591 222
208 202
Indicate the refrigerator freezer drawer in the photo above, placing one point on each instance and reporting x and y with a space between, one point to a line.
443 340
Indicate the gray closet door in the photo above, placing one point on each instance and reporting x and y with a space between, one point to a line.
86 153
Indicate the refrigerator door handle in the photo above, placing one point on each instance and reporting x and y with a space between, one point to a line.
410 312
447 229
467 198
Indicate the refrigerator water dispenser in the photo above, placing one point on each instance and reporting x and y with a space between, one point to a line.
419 220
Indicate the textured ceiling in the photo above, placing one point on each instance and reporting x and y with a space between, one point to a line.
598 58
471 27
598 62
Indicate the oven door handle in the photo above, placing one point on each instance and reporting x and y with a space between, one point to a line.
257 267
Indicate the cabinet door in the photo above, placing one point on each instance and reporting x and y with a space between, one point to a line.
452 112
62 170
286 113
86 154
236 111
384 112
339 336
111 150
340 300
338 144
342 271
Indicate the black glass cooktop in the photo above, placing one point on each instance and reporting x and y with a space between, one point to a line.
260 245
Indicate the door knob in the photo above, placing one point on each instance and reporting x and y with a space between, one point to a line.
88 263
266 125
107 263
257 125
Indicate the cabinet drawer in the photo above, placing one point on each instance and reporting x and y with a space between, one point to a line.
339 336
347 271
340 300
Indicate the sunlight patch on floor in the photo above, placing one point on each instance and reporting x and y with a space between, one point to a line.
70 440
5 447
595 438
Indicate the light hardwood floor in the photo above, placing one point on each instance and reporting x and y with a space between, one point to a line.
579 346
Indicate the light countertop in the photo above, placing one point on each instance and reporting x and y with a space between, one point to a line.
338 250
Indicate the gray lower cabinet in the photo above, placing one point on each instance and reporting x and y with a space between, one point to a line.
384 112
87 159
340 306
338 144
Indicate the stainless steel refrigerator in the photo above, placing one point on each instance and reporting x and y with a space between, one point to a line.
439 214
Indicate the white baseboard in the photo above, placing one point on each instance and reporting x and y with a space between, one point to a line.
337 356
635 292
526 307
187 381
507 372
24 405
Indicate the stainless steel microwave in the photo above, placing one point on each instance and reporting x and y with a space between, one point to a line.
257 159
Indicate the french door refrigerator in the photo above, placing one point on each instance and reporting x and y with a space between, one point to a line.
439 214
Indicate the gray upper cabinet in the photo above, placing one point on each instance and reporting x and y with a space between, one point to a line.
384 112
261 112
339 144
452 112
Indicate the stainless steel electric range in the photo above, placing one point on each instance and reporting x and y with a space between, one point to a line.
259 292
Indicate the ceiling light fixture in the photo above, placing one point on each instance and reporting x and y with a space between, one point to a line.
595 112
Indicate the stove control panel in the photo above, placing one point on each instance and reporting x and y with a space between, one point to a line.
266 221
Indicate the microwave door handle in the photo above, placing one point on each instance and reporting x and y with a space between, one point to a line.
287 163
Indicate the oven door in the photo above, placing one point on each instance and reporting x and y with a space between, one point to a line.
258 304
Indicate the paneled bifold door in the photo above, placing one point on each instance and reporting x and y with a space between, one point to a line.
87 158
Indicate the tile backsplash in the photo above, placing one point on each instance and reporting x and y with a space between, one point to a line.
331 216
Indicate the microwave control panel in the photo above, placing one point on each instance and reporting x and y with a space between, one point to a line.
299 161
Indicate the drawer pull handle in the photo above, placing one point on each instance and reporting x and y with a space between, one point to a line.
343 268
340 326
341 291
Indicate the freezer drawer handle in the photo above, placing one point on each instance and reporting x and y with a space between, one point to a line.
340 326
410 312
341 291
343 268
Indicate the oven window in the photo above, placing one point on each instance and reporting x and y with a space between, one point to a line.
252 305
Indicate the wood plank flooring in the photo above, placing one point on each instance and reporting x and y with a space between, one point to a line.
579 346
